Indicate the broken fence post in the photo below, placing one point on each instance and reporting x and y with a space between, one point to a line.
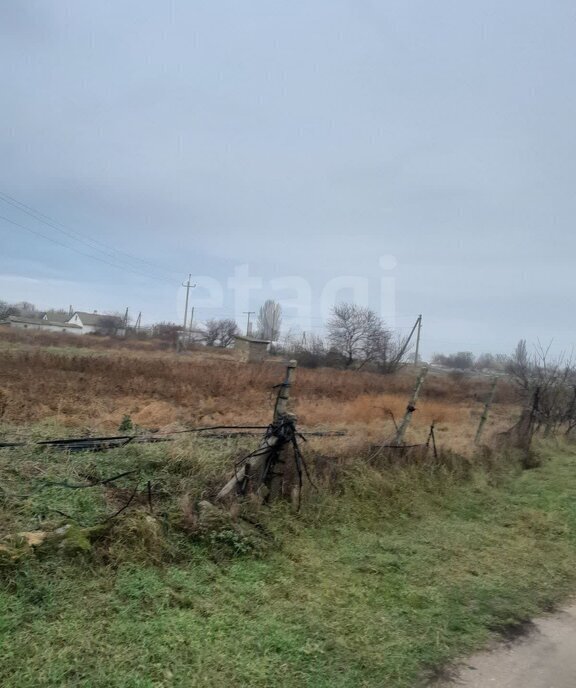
254 466
399 439
432 438
273 480
487 405
281 406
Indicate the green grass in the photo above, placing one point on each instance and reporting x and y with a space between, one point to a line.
375 583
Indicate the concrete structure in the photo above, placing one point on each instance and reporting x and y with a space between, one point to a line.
99 323
250 350
40 324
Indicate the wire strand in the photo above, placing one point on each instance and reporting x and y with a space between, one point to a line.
94 244
82 253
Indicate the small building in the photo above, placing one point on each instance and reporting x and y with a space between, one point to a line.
99 323
40 324
250 350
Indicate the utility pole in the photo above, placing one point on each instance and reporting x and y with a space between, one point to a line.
401 431
126 317
191 324
248 313
419 325
254 467
188 287
138 321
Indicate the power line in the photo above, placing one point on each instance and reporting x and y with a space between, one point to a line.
188 286
76 236
82 253
93 244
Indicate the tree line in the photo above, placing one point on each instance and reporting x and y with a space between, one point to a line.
466 360
356 337
23 309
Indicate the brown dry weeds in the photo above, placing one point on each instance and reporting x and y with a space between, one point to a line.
94 389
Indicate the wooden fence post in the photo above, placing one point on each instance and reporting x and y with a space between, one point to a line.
486 411
281 406
411 407
254 466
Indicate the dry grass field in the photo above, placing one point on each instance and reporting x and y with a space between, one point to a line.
89 384
395 564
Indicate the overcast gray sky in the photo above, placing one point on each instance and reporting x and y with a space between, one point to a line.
303 138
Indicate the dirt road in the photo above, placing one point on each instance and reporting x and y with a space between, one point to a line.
544 658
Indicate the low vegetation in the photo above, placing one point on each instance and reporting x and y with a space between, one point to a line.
116 569
388 572
92 389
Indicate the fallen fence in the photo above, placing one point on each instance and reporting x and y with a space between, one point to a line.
277 467
97 444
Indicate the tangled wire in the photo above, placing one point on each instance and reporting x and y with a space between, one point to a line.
278 436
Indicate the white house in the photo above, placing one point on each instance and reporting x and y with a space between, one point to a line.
98 322
41 324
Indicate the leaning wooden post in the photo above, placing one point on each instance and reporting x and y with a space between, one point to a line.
273 482
255 465
281 406
487 405
399 439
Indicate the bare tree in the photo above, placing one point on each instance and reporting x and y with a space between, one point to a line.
269 320
228 330
289 342
220 332
110 324
357 334
23 309
211 332
548 382
393 354
519 365
26 309
311 352
167 331
7 309
360 338
351 331
315 345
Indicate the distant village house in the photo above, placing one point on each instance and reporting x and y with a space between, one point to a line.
77 322
99 323
42 324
